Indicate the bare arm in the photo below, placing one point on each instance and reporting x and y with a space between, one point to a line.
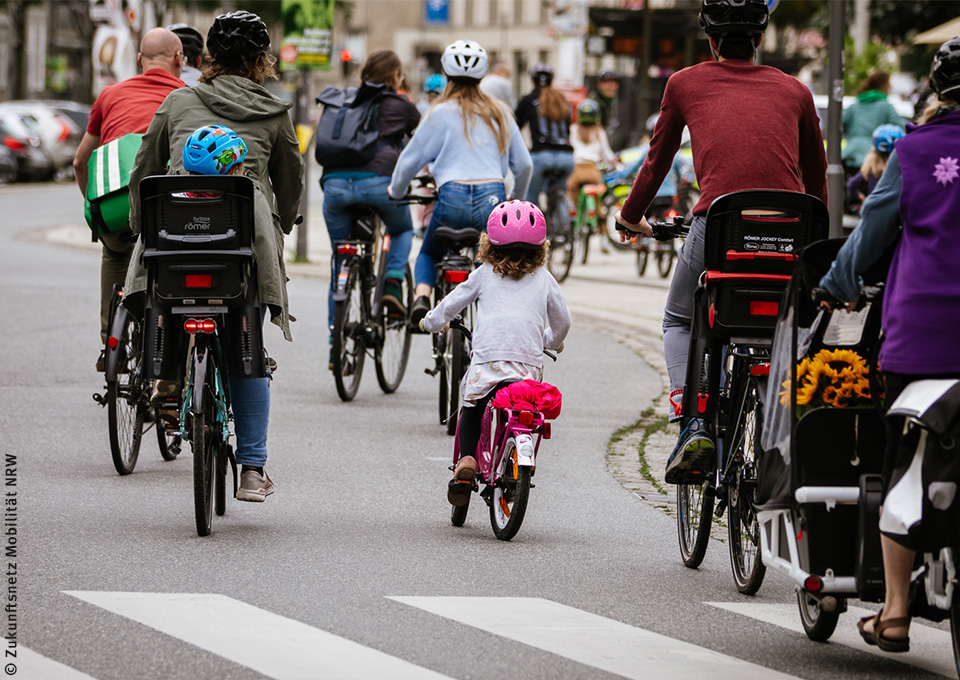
88 145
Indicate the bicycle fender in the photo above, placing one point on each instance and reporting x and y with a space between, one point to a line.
340 292
112 360
526 452
200 362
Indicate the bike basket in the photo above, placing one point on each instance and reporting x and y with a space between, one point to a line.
752 238
106 205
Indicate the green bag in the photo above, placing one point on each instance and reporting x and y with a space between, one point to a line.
107 201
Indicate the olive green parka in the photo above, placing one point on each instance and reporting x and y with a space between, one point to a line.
273 162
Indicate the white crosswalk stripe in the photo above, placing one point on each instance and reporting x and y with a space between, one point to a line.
32 666
270 644
930 648
590 639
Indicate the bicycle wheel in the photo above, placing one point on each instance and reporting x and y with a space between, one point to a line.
220 481
459 360
348 342
168 439
510 495
694 516
612 205
458 513
817 623
390 358
561 235
440 352
743 529
665 258
126 401
204 450
642 256
955 624
583 239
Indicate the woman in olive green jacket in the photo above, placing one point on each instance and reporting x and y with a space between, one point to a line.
230 93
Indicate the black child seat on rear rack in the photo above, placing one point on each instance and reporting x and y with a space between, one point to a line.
752 240
198 236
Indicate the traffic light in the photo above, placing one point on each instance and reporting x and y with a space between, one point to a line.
345 61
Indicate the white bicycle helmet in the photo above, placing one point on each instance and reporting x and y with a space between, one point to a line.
465 59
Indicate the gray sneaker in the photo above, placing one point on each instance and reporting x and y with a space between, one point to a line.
254 487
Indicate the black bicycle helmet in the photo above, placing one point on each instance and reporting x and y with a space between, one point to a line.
237 38
607 75
945 73
190 37
542 74
734 16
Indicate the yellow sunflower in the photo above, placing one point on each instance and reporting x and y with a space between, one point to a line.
862 388
807 388
843 362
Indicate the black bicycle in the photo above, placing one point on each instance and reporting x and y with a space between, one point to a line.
361 322
560 226
127 394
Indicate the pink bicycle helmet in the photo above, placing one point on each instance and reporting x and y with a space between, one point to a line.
517 224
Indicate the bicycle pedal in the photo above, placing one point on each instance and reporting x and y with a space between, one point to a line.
720 507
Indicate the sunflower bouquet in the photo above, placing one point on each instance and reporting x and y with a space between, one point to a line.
839 378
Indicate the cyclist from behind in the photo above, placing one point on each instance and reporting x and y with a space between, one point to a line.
590 150
547 113
345 186
433 87
192 41
753 127
468 140
231 94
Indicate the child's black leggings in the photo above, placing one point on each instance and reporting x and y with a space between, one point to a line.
471 418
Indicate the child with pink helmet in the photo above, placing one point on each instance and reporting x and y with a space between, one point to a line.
520 312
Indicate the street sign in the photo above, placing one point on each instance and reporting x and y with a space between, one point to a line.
308 29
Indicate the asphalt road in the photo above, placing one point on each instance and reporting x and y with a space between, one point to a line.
352 569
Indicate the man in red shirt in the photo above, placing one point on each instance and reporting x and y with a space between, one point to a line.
121 109
752 127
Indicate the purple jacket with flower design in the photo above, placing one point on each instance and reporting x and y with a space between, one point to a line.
921 308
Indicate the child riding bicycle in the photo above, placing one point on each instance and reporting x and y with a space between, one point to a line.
520 312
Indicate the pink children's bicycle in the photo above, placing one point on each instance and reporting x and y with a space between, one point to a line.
507 461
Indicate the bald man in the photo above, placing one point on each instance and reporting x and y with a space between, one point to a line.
122 109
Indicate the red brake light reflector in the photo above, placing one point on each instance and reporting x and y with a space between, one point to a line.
525 417
14 144
346 249
200 325
764 308
545 428
813 584
112 342
760 369
455 276
671 214
198 281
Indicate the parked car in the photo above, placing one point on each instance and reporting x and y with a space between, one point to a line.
78 113
8 165
32 162
59 134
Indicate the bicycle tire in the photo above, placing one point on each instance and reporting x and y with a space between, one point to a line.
583 239
459 360
349 350
642 256
168 440
509 500
955 624
390 358
612 205
220 481
743 528
126 407
440 348
561 235
665 261
817 623
458 513
694 517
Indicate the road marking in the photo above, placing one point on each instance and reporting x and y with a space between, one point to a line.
590 639
33 666
930 648
270 644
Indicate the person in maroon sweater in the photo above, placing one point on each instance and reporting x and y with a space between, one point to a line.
752 127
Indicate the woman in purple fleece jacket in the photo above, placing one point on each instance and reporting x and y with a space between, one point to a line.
921 308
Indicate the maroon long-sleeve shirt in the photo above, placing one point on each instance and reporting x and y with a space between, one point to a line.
752 127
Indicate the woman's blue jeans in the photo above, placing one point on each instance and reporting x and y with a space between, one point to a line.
544 161
339 194
250 400
461 206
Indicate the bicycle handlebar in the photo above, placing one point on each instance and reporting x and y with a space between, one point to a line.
667 231
424 181
457 324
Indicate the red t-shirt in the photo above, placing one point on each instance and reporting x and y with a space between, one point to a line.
752 127
129 106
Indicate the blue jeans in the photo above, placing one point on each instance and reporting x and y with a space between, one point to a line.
338 194
548 160
461 206
250 401
678 311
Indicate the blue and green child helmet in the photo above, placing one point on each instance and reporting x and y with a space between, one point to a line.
213 150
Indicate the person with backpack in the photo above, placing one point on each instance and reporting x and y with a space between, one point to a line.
231 95
865 181
353 176
468 140
547 113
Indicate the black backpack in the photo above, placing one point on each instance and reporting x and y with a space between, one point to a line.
348 132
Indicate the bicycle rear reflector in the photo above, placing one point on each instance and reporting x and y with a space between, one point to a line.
455 276
347 249
671 214
198 281
200 325
545 429
764 308
760 369
813 584
112 342
525 417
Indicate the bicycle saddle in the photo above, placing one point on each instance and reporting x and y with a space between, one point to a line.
456 238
